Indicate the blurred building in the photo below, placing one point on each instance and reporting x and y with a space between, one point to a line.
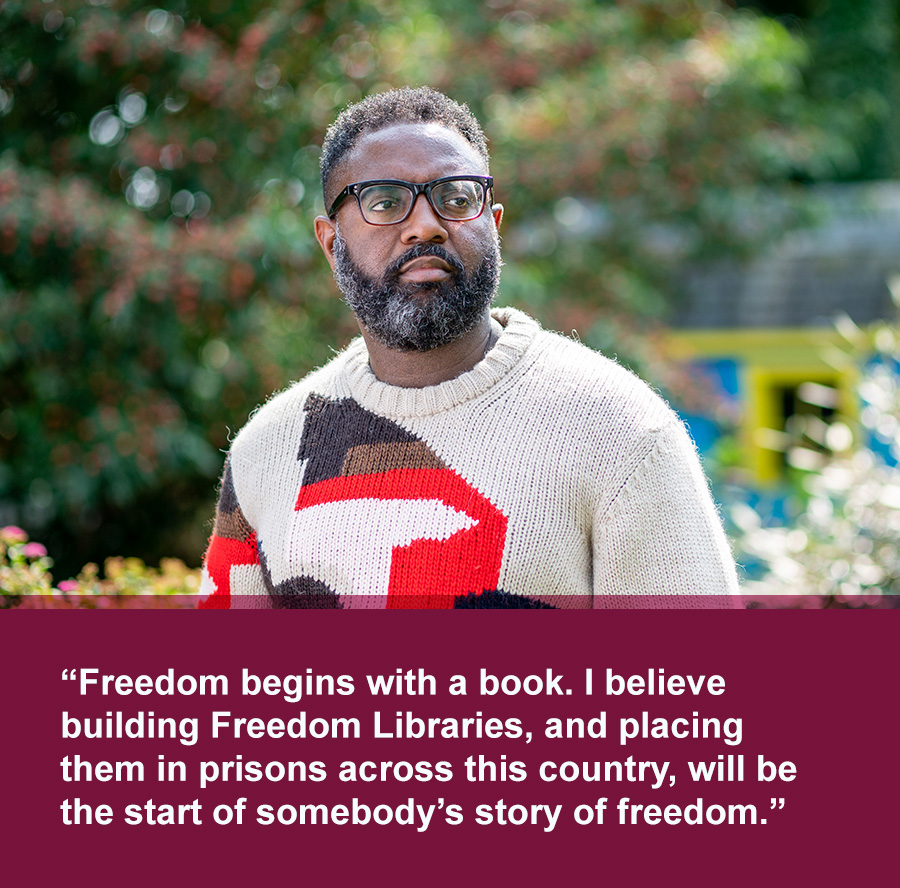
765 335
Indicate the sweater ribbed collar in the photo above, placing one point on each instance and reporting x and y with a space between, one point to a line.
391 400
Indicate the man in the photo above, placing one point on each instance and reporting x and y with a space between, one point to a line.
453 456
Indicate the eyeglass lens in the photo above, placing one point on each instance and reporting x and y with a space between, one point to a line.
385 204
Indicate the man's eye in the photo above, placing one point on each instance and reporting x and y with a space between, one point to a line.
381 201
459 201
382 204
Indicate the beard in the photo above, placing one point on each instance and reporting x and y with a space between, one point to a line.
418 316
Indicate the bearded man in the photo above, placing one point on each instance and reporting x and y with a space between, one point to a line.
453 456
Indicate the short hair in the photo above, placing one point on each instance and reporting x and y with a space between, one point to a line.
405 105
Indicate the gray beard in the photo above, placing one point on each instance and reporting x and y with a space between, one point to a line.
421 316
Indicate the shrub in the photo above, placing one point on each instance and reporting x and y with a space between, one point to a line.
843 548
26 581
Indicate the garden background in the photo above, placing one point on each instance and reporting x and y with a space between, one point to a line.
159 276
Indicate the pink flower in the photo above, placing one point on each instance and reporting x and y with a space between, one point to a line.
13 534
34 550
68 586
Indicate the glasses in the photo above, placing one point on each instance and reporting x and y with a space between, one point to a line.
389 201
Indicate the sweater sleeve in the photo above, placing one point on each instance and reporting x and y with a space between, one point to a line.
661 539
232 574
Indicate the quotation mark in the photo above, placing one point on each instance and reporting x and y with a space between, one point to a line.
69 674
776 804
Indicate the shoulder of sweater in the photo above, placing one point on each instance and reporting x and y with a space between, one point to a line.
286 407
591 383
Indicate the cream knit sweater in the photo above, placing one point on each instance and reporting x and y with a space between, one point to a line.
547 475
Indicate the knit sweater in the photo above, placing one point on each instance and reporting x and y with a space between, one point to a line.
546 476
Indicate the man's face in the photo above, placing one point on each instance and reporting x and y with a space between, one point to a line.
426 281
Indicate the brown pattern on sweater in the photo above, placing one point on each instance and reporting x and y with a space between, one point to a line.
370 459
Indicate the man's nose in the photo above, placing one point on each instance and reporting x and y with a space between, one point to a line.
423 224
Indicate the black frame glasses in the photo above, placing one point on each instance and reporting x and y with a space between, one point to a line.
486 184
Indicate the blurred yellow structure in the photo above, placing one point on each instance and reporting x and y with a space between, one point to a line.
779 374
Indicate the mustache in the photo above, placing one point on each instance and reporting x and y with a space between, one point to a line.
392 272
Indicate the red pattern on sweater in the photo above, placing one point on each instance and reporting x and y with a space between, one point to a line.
221 556
428 573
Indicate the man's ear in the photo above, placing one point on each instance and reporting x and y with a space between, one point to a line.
325 235
497 213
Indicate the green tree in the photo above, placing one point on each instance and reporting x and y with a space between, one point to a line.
853 78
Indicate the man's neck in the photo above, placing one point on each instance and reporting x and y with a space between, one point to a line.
416 369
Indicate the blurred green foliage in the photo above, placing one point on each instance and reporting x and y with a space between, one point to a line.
159 174
852 77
